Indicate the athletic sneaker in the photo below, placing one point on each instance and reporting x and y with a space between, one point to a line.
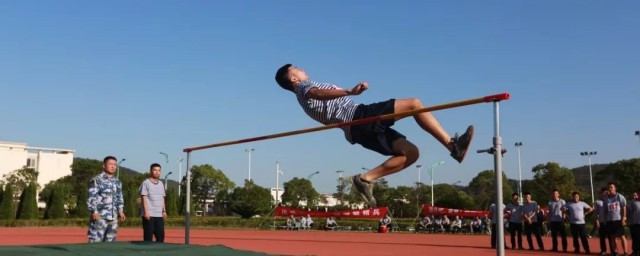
460 144
365 189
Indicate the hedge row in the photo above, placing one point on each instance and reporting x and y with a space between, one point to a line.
203 222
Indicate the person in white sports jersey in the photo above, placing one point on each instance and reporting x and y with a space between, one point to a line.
329 104
616 216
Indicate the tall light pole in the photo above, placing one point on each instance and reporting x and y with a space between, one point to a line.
638 134
166 158
278 173
588 155
249 150
433 166
179 176
118 167
518 146
340 187
311 175
419 172
166 177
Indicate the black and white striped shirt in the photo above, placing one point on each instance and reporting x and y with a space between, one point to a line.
333 111
155 197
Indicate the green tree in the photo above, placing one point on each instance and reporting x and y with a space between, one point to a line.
183 205
28 207
1 192
131 201
82 171
81 209
131 182
65 185
448 196
382 192
405 201
548 177
626 173
250 200
210 183
7 207
55 204
341 191
352 197
482 189
21 179
297 190
170 203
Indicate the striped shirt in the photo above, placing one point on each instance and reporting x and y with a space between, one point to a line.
154 192
326 112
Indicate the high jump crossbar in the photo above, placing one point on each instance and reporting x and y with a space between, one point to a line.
490 98
496 98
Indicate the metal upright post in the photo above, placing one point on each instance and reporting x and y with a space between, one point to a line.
187 215
179 176
497 158
518 146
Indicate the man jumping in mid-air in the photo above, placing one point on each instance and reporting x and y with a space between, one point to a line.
328 104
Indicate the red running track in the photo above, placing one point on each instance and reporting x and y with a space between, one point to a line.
295 242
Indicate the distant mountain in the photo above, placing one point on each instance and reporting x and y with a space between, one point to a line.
171 184
583 177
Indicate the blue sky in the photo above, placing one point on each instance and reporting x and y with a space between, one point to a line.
132 79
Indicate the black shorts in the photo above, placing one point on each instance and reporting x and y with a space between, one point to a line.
377 136
615 228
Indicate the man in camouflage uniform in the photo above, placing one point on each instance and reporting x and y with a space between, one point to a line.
105 202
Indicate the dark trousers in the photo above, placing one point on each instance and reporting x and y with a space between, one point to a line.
557 227
533 228
515 229
603 236
579 231
635 237
153 227
494 236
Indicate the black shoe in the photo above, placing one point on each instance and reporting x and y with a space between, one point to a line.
460 144
365 189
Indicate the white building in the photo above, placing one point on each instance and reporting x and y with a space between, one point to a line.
50 163
277 194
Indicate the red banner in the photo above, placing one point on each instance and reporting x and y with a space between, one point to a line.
374 213
434 210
